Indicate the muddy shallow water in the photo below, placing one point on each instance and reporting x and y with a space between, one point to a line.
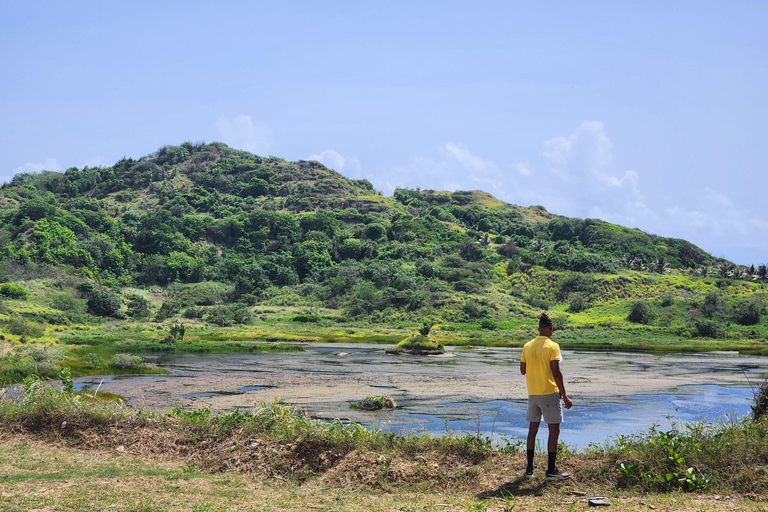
613 392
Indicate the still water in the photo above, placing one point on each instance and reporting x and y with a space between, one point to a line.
614 393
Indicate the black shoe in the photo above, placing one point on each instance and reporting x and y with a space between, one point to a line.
557 475
529 472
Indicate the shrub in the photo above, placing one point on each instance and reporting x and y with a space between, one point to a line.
748 312
21 327
469 251
425 328
536 300
176 331
94 361
138 306
640 312
66 302
14 291
418 344
473 309
85 288
560 322
487 323
578 303
127 361
167 308
760 405
667 300
220 316
226 316
104 303
375 403
706 328
193 312
712 305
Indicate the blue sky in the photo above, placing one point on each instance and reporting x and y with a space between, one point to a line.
652 115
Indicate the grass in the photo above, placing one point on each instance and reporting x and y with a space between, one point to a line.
277 442
418 344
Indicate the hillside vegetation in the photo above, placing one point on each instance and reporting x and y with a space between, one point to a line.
228 243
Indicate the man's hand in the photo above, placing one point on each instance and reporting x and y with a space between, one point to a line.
567 402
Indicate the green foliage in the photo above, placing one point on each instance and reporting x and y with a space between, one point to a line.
14 291
425 328
24 360
707 328
211 225
127 361
104 303
760 402
138 306
418 344
578 303
93 360
66 380
176 330
641 312
24 328
309 315
375 403
226 316
749 312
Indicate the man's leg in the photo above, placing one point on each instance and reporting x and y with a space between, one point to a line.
533 429
554 434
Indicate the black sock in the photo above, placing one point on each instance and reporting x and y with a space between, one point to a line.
552 457
530 458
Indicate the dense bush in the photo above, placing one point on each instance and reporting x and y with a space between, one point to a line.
578 303
138 306
21 327
749 312
104 303
641 312
707 328
14 291
127 361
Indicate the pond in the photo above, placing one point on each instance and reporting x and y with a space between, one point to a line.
614 393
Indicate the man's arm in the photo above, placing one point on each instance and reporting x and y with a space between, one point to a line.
558 376
522 367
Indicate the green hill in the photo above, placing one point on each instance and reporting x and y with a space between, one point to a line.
212 236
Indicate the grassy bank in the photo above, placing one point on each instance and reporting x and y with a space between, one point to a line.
61 451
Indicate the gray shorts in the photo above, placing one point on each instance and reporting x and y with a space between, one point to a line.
547 405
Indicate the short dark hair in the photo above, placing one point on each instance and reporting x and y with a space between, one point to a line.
545 321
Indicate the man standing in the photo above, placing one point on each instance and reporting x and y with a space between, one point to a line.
540 364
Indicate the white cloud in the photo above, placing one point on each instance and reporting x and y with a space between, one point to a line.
348 166
523 168
241 133
580 183
50 164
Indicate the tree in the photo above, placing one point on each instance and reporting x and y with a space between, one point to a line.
469 251
640 312
104 303
138 306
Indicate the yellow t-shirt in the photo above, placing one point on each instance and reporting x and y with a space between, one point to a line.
537 354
